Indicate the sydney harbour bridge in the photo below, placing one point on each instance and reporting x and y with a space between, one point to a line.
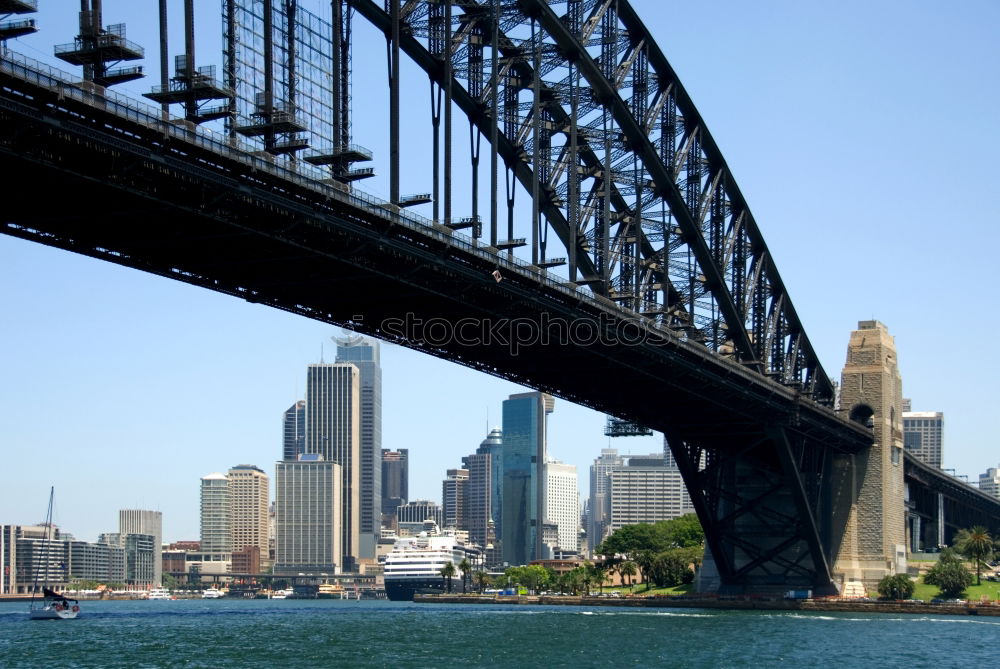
606 255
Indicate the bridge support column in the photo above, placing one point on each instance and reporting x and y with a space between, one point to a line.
868 519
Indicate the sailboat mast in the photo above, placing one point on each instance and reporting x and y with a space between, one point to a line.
48 543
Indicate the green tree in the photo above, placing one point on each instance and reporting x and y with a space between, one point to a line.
447 571
627 569
482 579
600 574
465 567
899 586
975 544
949 575
670 568
682 532
169 582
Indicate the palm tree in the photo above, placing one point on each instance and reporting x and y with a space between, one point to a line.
482 579
600 575
465 567
975 544
628 569
447 571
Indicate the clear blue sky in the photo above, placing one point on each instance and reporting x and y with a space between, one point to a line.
863 134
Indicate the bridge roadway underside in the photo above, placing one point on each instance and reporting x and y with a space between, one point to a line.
132 194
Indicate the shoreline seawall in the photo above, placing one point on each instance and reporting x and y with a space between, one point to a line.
841 605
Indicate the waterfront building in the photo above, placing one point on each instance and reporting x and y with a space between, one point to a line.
249 495
364 354
395 481
333 430
141 557
410 517
453 490
23 551
293 431
142 521
923 436
523 496
989 482
216 535
309 516
562 505
597 508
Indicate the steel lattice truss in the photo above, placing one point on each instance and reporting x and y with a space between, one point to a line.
592 121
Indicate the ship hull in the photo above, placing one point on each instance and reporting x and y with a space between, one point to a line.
403 590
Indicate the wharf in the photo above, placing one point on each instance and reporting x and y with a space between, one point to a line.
738 603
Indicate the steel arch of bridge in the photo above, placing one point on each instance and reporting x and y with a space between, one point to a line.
651 216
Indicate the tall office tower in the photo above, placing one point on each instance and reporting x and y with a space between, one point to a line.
141 521
989 482
597 509
249 493
524 445
308 516
216 536
562 504
364 354
293 425
922 435
492 445
478 496
395 481
333 430
640 493
453 498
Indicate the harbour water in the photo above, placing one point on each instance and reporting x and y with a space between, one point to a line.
333 633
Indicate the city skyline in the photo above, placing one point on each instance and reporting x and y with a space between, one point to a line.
160 382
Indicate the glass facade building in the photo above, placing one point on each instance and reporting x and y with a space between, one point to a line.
523 496
293 429
923 436
308 516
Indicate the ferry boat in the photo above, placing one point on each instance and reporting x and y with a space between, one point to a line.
414 565
159 593
211 593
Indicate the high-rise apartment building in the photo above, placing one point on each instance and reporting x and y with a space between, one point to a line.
141 521
562 505
333 430
453 497
364 354
293 429
249 493
395 481
216 534
989 482
523 496
923 436
309 515
598 506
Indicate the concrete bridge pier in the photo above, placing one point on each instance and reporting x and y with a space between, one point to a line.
867 524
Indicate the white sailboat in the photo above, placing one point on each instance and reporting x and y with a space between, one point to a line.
52 605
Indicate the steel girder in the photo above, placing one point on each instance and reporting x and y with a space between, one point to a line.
596 127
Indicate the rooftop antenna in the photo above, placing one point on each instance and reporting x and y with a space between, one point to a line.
321 361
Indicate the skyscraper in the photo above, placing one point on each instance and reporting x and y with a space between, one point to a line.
524 448
333 430
395 481
216 536
562 504
492 445
294 431
141 521
923 433
597 509
645 491
453 491
308 515
480 490
364 354
249 492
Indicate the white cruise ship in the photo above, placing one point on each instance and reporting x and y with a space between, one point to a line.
414 565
